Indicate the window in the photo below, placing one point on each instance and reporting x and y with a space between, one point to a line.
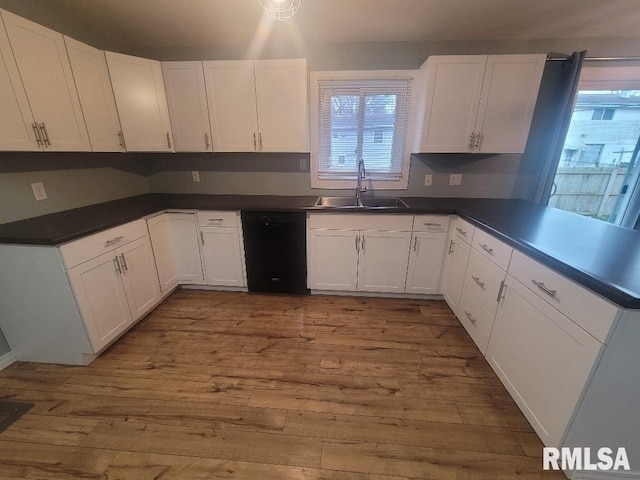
360 115
603 114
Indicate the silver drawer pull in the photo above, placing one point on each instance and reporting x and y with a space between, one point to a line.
486 248
500 292
477 280
470 317
461 231
113 241
545 289
428 224
216 219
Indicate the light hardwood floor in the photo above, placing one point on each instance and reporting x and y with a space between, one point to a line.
243 386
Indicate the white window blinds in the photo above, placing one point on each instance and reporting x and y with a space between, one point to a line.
364 118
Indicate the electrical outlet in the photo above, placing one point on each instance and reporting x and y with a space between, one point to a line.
428 180
303 164
455 179
196 175
38 191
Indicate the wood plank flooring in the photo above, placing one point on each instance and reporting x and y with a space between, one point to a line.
244 386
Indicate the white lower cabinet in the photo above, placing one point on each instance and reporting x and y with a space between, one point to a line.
115 289
174 237
222 248
426 257
543 358
364 253
457 266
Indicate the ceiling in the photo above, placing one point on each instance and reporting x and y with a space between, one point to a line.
234 23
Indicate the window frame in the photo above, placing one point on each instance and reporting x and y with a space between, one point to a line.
400 183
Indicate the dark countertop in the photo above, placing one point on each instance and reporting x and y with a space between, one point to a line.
597 255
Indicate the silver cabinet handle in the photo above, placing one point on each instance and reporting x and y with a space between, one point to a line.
363 243
357 242
428 224
461 231
45 135
117 264
470 317
478 141
206 140
477 280
169 140
218 220
124 262
451 244
202 237
37 133
255 141
121 140
415 243
545 289
486 248
260 140
501 291
113 241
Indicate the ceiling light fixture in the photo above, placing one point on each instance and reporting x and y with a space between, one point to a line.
280 9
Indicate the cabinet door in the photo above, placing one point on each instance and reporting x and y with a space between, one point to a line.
101 297
453 86
382 266
139 276
543 359
96 96
141 101
222 257
184 239
283 116
332 259
16 120
164 251
509 95
187 99
231 95
425 263
456 271
45 71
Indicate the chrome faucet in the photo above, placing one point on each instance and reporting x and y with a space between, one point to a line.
362 174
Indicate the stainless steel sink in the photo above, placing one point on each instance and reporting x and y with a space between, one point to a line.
382 202
364 203
338 202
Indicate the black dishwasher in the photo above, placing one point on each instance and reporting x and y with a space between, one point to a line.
275 248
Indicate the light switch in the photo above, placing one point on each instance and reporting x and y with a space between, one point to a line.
455 179
196 175
428 180
38 191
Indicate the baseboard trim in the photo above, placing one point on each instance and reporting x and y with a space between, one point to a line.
6 360
345 293
621 475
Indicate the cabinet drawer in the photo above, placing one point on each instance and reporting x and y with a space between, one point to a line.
463 230
430 223
492 248
215 218
361 221
584 307
476 319
484 280
79 251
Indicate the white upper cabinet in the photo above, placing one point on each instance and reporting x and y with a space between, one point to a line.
16 120
232 105
44 68
258 105
141 101
479 103
187 99
283 113
96 96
